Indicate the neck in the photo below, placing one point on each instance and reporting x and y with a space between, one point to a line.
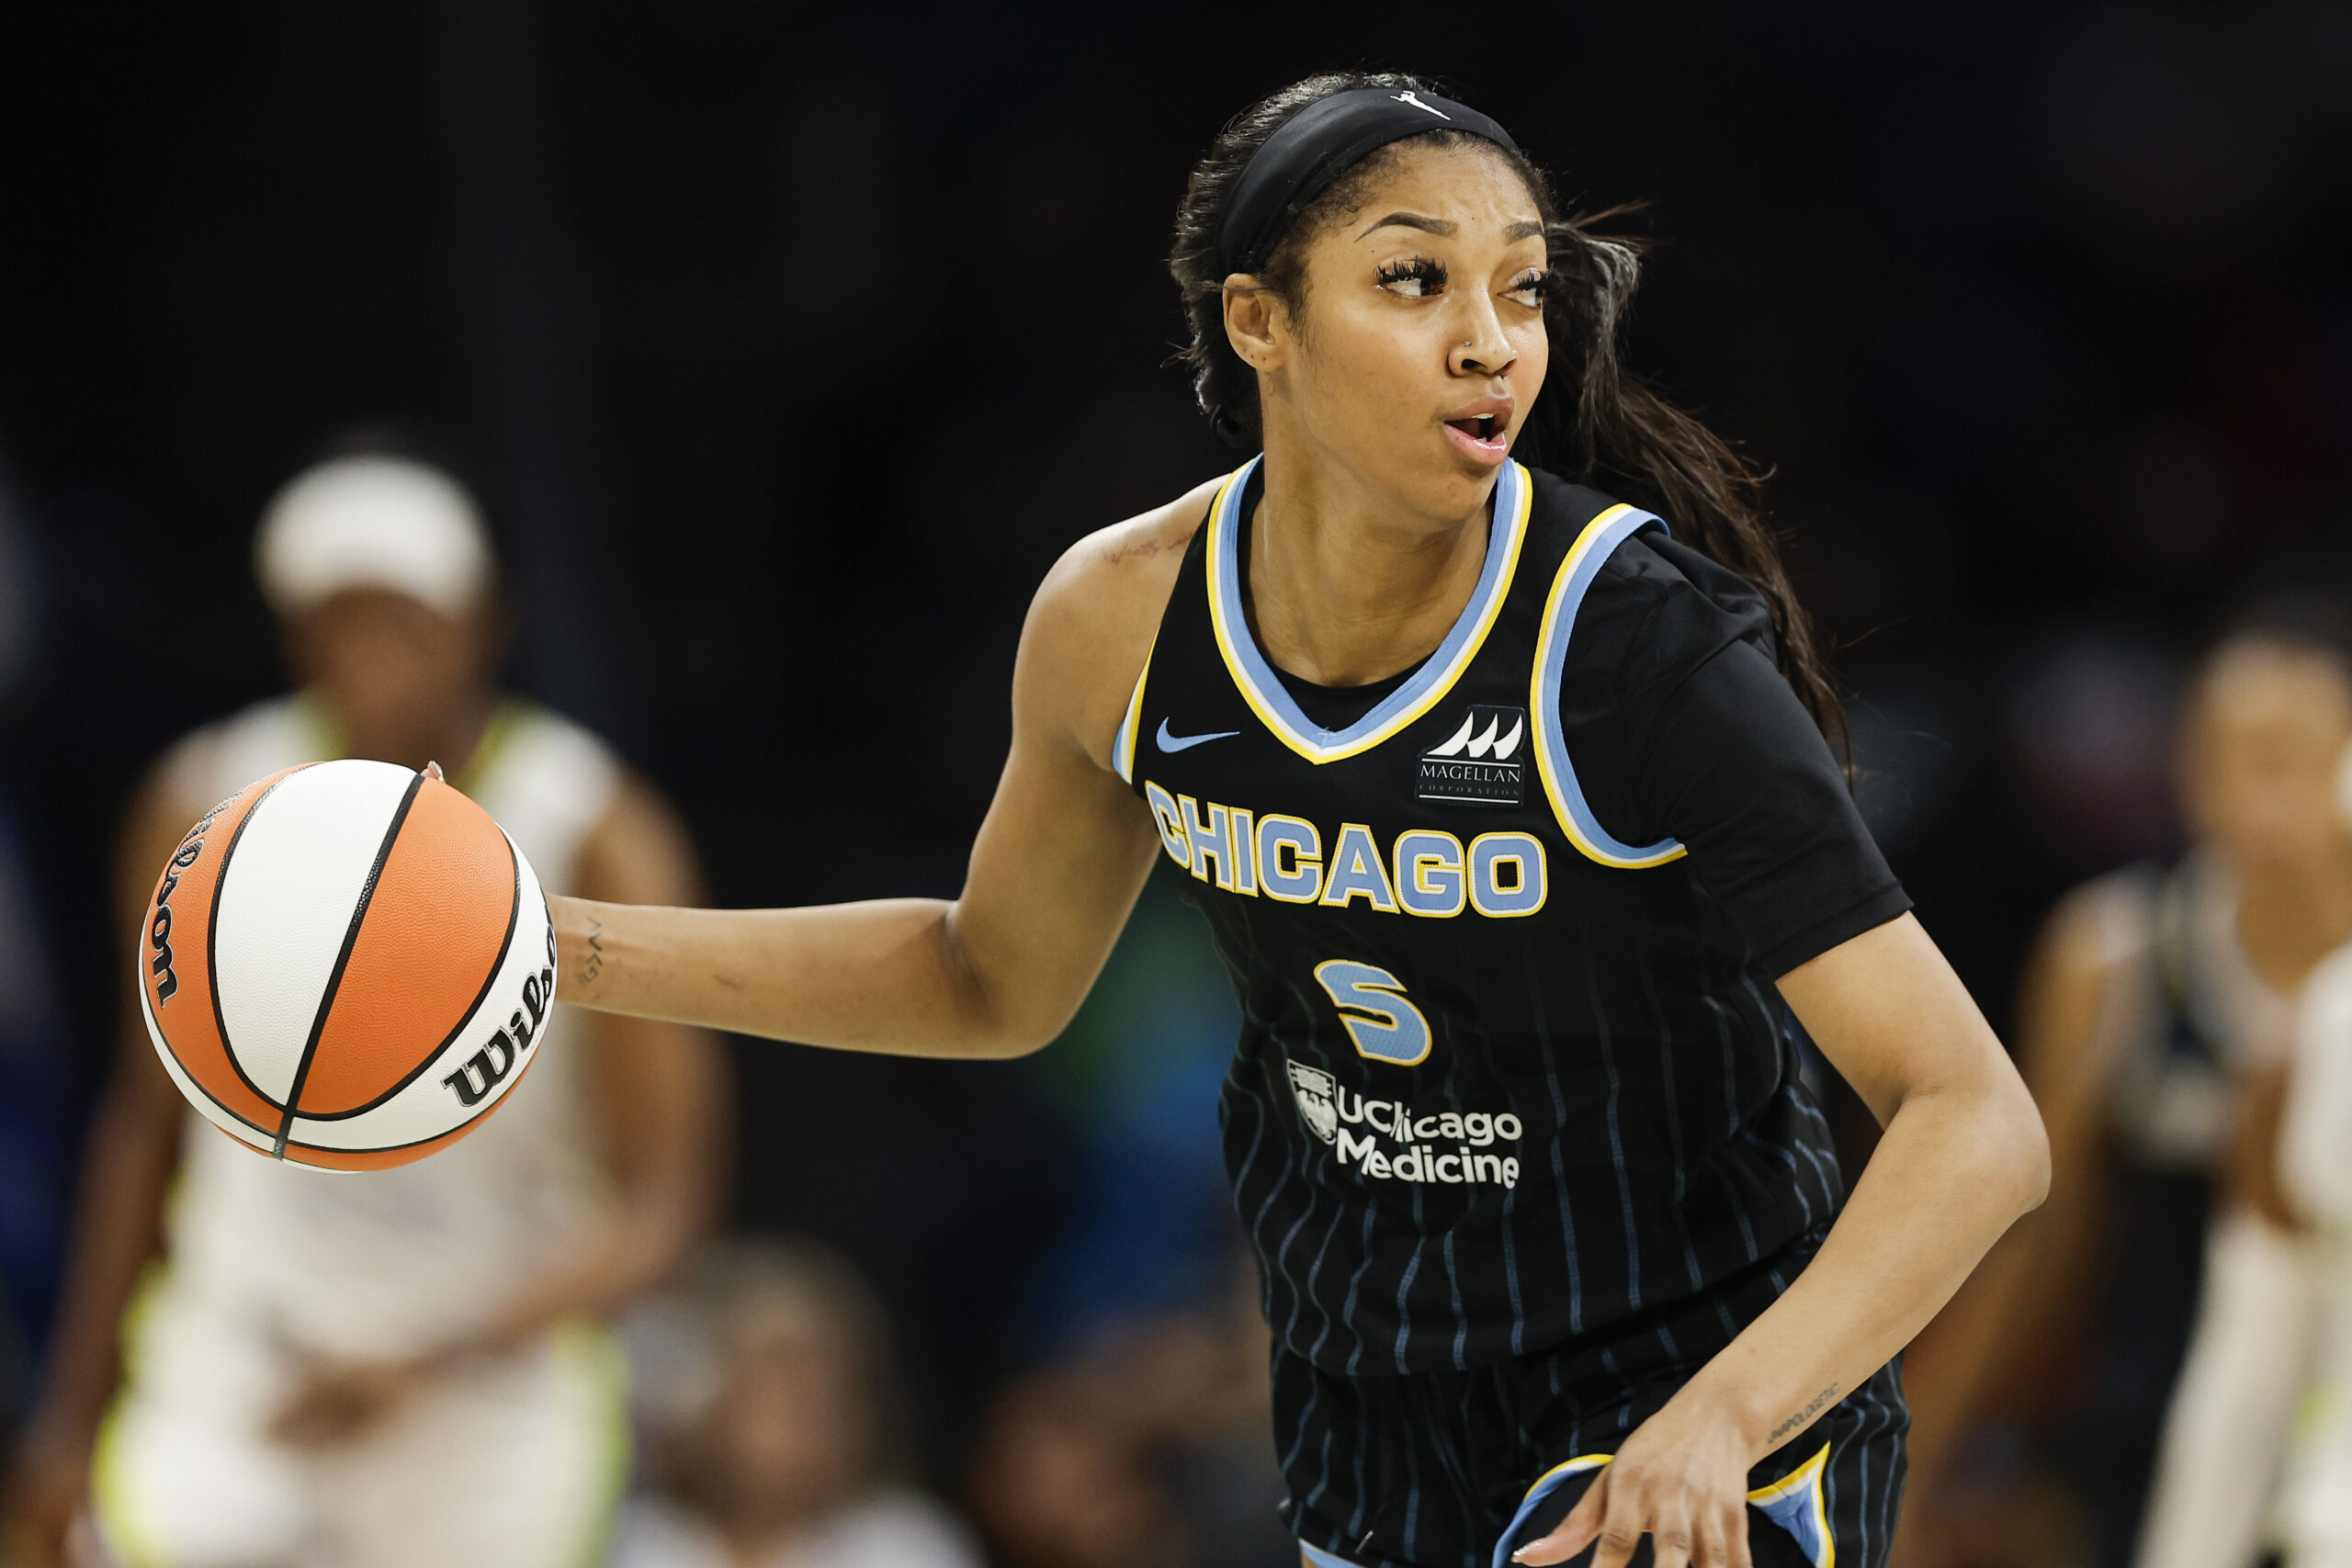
2291 915
450 736
756 1533
1342 587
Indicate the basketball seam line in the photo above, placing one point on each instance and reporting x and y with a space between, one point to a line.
226 1109
335 975
213 948
488 1107
473 1008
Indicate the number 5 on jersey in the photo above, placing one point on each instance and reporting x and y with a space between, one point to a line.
1385 1026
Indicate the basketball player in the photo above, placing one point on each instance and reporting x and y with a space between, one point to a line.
2314 1155
2257 1376
1507 814
2155 1016
397 1368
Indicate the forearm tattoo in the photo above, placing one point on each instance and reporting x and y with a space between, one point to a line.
1803 1418
595 964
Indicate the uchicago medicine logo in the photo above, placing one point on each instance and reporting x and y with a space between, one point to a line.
1317 1101
1451 1148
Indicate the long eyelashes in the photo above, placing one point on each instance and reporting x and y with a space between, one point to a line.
1418 278
1415 278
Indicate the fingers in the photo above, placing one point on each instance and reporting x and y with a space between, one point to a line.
1671 1548
1722 1541
1685 1532
1620 1539
1609 1514
1575 1533
1735 1535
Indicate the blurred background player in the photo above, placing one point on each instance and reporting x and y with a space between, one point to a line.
399 1367
778 1436
2154 1029
2311 1511
2243 1383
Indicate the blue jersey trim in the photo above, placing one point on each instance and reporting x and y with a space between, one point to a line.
1263 689
1796 1503
1585 559
1551 1481
1122 744
1800 1504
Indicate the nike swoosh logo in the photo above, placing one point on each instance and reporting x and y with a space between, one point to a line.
1179 742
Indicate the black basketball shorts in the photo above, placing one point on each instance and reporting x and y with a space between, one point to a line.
1461 1469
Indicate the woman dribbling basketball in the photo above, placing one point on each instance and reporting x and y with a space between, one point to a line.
1508 803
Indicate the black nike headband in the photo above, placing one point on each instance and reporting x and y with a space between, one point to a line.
1315 147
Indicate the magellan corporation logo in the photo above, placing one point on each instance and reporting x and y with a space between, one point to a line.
1482 764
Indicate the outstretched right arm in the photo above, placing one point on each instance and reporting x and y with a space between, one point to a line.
1059 861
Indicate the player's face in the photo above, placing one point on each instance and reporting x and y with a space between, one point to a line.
787 1432
2264 739
390 667
1419 347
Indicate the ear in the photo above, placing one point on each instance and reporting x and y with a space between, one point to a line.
1255 321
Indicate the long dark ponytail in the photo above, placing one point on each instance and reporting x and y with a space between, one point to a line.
1612 431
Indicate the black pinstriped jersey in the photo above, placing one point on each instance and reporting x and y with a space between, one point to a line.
1506 1078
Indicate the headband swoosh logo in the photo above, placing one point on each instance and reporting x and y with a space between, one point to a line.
1415 102
1184 742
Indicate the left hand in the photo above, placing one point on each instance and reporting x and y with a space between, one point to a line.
337 1401
1681 1479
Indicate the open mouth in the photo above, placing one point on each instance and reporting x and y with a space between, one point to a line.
1484 438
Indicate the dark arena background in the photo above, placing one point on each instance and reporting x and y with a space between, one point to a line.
787 346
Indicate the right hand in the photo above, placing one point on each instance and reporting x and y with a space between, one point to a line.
48 1487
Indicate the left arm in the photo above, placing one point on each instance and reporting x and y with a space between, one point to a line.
654 1091
1963 1155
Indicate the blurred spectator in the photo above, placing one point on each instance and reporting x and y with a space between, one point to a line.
778 1439
2154 1029
1149 1448
392 1367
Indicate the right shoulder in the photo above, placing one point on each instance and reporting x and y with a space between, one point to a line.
1092 623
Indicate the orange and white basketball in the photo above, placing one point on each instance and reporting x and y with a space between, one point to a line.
347 964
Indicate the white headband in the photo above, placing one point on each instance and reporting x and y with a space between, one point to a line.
372 522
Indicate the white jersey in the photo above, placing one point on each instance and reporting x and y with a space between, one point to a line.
2216 1495
383 1263
2315 1166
